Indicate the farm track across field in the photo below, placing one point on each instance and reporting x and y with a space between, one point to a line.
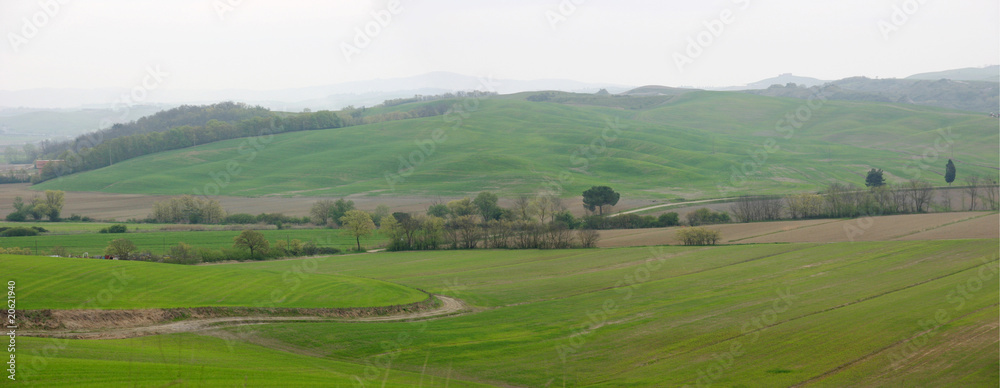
449 306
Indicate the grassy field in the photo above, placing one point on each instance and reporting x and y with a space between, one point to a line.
192 360
837 314
159 242
691 144
94 227
64 283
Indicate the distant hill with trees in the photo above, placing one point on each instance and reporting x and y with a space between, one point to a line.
976 96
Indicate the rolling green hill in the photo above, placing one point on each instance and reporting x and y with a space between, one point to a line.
696 144
63 283
838 314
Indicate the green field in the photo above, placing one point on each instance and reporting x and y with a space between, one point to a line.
839 314
191 360
159 242
65 283
66 227
687 145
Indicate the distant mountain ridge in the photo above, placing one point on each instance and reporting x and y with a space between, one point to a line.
332 97
782 79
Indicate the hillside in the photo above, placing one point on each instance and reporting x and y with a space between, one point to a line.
977 96
59 283
775 315
687 145
988 73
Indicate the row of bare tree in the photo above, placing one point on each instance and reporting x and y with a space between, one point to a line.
847 200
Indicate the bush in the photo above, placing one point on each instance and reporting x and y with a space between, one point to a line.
588 237
669 219
17 217
182 254
567 219
698 236
60 251
15 251
595 222
117 228
241 219
18 231
209 255
706 216
40 229
237 254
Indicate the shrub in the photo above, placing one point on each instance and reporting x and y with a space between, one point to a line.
706 216
60 251
588 237
241 219
15 251
237 254
117 228
567 219
669 219
698 236
209 255
18 231
182 254
17 217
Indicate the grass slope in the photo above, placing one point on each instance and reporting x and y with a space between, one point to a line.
841 314
160 242
191 360
63 283
688 144
613 318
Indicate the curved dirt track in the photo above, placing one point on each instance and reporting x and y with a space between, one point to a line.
449 306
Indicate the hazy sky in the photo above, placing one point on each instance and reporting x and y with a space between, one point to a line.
271 44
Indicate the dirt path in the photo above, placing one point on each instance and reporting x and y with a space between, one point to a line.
642 209
449 306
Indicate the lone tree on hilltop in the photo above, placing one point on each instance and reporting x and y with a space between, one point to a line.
359 223
599 196
252 240
874 178
949 172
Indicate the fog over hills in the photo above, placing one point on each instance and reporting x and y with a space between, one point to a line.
54 113
330 97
